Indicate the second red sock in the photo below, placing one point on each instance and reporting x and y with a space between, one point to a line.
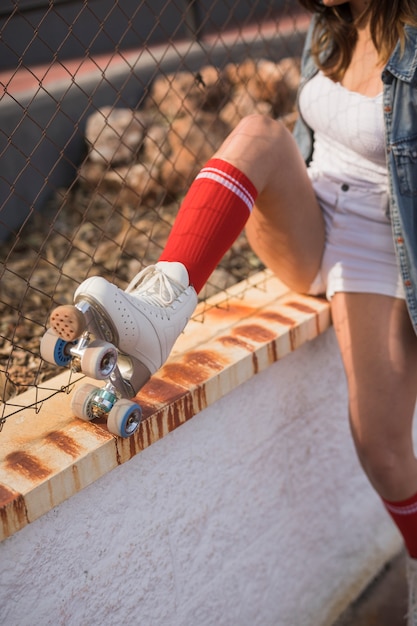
404 514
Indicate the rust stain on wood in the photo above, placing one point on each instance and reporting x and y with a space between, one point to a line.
272 352
178 413
10 499
194 368
7 496
205 358
156 392
100 428
27 465
277 317
184 374
257 333
233 342
303 308
64 442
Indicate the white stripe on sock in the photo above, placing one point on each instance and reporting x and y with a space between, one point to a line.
229 182
402 510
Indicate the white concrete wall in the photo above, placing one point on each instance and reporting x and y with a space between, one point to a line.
254 513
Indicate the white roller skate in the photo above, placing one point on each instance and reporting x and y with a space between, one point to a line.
121 337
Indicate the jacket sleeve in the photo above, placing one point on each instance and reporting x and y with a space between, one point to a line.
303 134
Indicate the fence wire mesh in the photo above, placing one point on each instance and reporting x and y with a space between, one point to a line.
108 111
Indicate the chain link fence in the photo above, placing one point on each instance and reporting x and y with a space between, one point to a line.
108 110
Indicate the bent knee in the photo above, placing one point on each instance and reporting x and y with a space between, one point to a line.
260 147
261 125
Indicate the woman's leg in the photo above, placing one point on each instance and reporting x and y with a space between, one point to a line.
379 351
259 158
285 227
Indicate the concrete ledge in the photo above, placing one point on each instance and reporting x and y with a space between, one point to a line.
254 513
48 457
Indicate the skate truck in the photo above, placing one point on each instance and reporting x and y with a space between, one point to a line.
83 338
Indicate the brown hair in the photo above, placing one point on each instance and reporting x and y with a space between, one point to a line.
335 35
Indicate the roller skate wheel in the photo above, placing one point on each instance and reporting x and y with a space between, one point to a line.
99 359
81 402
68 322
124 418
55 350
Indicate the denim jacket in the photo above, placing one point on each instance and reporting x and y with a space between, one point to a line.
400 114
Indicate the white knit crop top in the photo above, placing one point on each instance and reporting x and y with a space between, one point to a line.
349 133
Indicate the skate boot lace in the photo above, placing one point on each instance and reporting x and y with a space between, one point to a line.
155 288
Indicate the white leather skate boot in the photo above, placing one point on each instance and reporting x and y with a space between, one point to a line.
148 317
412 591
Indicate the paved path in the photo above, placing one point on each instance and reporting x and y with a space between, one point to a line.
384 603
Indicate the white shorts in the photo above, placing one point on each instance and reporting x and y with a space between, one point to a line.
359 254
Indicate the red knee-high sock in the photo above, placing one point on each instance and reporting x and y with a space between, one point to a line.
211 217
404 514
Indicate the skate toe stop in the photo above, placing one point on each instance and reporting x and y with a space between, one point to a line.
68 322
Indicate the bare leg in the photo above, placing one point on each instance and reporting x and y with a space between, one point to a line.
286 228
379 351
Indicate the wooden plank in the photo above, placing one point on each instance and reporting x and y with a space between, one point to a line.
48 456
